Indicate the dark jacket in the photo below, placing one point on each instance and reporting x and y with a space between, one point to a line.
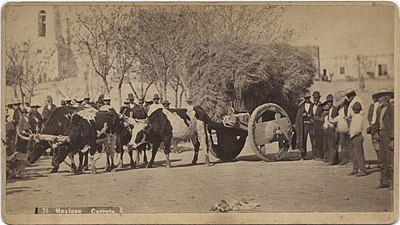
299 123
388 119
47 112
35 121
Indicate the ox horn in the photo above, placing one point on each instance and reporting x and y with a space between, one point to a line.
22 136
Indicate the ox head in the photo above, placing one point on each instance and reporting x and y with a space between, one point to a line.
57 124
138 133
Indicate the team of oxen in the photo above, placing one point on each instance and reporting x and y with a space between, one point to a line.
90 131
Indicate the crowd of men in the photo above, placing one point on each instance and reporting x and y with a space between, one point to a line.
25 119
338 122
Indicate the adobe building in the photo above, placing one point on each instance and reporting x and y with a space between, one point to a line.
47 29
351 67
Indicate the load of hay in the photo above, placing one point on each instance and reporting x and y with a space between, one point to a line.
244 76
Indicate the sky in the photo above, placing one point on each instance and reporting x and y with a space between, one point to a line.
343 30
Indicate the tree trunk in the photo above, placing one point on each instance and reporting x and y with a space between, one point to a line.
22 93
120 94
176 96
133 89
165 83
180 98
106 89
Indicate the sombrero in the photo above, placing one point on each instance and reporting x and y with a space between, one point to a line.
339 98
383 92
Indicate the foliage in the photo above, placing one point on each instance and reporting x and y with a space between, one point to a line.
244 75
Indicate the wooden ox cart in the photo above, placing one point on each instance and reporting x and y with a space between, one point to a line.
268 123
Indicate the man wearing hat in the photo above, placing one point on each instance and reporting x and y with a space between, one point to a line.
86 99
63 103
17 113
355 132
329 136
68 102
147 104
385 118
303 124
373 128
125 109
317 126
131 98
141 102
166 104
353 98
48 108
35 119
107 104
156 99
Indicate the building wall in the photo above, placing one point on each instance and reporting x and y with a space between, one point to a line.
21 25
354 66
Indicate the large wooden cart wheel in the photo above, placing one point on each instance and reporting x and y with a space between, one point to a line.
226 143
269 123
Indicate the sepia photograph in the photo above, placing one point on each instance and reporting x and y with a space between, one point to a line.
199 112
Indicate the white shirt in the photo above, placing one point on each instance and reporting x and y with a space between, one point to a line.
374 113
307 107
356 125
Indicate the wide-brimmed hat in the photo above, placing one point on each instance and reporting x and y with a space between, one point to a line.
339 98
149 100
127 101
106 98
383 92
350 91
316 94
131 96
35 106
156 97
166 102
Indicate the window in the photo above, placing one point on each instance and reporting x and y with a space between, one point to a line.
342 70
382 70
42 23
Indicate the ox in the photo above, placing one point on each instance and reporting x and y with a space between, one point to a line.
169 127
85 127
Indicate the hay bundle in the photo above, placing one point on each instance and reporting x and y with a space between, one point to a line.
244 76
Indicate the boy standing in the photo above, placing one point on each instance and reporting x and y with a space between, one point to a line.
356 138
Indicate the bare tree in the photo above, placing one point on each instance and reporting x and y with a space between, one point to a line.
27 67
96 34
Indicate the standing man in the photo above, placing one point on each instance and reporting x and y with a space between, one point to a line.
132 102
35 119
141 101
48 108
147 104
373 127
156 99
166 104
17 113
385 119
317 127
107 105
125 109
304 119
328 130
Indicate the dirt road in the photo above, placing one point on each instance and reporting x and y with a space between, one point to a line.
285 186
